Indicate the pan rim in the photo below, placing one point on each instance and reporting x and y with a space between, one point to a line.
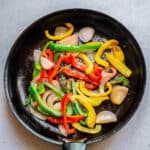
97 139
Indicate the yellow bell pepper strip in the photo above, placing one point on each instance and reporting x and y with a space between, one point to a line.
93 93
101 50
94 100
122 68
81 128
87 61
59 37
118 52
91 118
97 100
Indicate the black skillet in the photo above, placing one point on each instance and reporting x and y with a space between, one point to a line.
19 67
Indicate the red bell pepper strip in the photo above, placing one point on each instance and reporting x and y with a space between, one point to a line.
48 54
43 76
64 103
90 86
71 60
35 104
75 74
70 119
55 69
97 74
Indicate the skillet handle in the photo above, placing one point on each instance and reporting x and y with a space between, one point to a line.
74 146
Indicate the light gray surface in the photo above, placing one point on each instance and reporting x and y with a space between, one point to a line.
16 15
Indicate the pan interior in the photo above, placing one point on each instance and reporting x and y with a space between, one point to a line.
19 68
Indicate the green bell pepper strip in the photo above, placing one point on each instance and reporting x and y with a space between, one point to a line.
41 89
45 46
120 79
37 70
58 92
33 91
69 110
74 48
73 87
56 55
76 104
32 105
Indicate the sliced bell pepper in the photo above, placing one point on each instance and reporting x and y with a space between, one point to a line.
43 76
81 128
74 48
71 60
90 86
47 53
118 52
37 70
70 119
101 50
54 72
59 94
122 68
59 37
97 100
57 91
91 118
64 103
77 106
93 93
35 104
94 100
87 61
120 79
33 91
75 74
96 75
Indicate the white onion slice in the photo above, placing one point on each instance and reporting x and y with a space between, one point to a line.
59 30
62 130
36 55
37 114
71 40
118 94
45 63
105 117
86 34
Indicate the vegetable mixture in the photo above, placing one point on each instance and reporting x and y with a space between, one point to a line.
70 80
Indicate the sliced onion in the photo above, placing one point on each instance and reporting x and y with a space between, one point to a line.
86 34
57 106
45 63
105 117
118 94
71 40
36 55
56 84
37 114
51 100
62 130
59 30
45 95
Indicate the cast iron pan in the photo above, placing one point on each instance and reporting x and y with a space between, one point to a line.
19 67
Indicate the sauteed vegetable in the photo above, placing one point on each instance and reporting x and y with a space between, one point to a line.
71 81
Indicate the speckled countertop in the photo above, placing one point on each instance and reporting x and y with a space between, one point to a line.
16 15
